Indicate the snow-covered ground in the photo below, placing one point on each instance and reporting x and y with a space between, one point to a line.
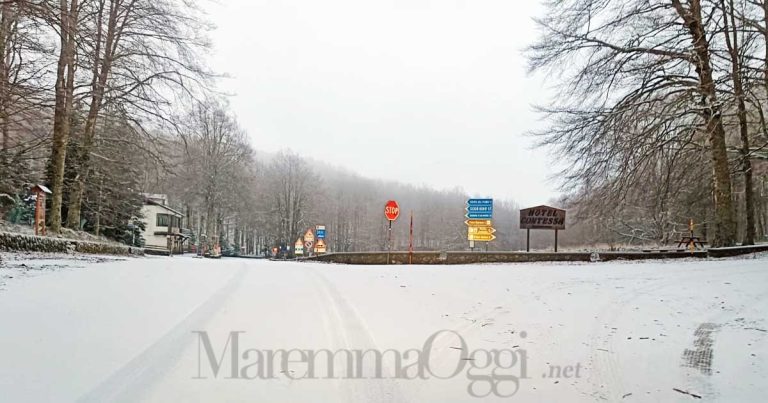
154 329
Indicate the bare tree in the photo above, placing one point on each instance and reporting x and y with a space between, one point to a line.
291 186
23 95
66 21
733 35
216 150
636 78
139 51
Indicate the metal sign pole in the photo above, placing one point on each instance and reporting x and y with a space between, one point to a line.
389 240
555 240
528 240
391 212
410 242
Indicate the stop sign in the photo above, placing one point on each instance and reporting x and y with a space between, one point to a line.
391 210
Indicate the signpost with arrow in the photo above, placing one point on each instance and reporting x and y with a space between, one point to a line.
479 223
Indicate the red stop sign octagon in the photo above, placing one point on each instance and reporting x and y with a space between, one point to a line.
391 210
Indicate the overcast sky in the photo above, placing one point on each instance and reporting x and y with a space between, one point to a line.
428 92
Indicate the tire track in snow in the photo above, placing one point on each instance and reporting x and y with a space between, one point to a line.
695 378
136 378
347 327
605 370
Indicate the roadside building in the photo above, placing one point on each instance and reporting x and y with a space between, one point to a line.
162 225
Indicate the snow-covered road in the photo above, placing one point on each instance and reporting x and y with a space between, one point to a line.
164 329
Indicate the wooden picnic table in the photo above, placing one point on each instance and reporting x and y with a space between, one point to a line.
692 240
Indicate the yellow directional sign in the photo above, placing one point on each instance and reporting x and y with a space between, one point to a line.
481 237
478 223
481 230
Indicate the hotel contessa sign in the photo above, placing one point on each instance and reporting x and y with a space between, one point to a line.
542 217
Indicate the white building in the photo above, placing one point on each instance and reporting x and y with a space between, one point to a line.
161 224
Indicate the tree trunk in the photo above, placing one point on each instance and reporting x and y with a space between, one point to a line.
97 224
210 222
765 42
725 223
64 89
98 84
6 21
732 44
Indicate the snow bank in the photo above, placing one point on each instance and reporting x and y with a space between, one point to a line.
637 332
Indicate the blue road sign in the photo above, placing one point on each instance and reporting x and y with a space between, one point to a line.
320 234
480 208
483 215
480 202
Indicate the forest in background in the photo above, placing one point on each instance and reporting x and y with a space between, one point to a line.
659 114
104 101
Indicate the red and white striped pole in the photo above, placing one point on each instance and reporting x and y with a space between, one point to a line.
410 242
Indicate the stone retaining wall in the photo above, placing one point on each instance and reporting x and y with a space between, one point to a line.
374 258
29 243
737 250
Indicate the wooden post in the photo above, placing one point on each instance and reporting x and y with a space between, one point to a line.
40 192
40 213
528 240
555 240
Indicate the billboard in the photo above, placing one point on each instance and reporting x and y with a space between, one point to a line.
542 217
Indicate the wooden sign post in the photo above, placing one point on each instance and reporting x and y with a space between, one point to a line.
40 191
541 217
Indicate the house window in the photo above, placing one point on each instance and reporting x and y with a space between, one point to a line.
162 220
